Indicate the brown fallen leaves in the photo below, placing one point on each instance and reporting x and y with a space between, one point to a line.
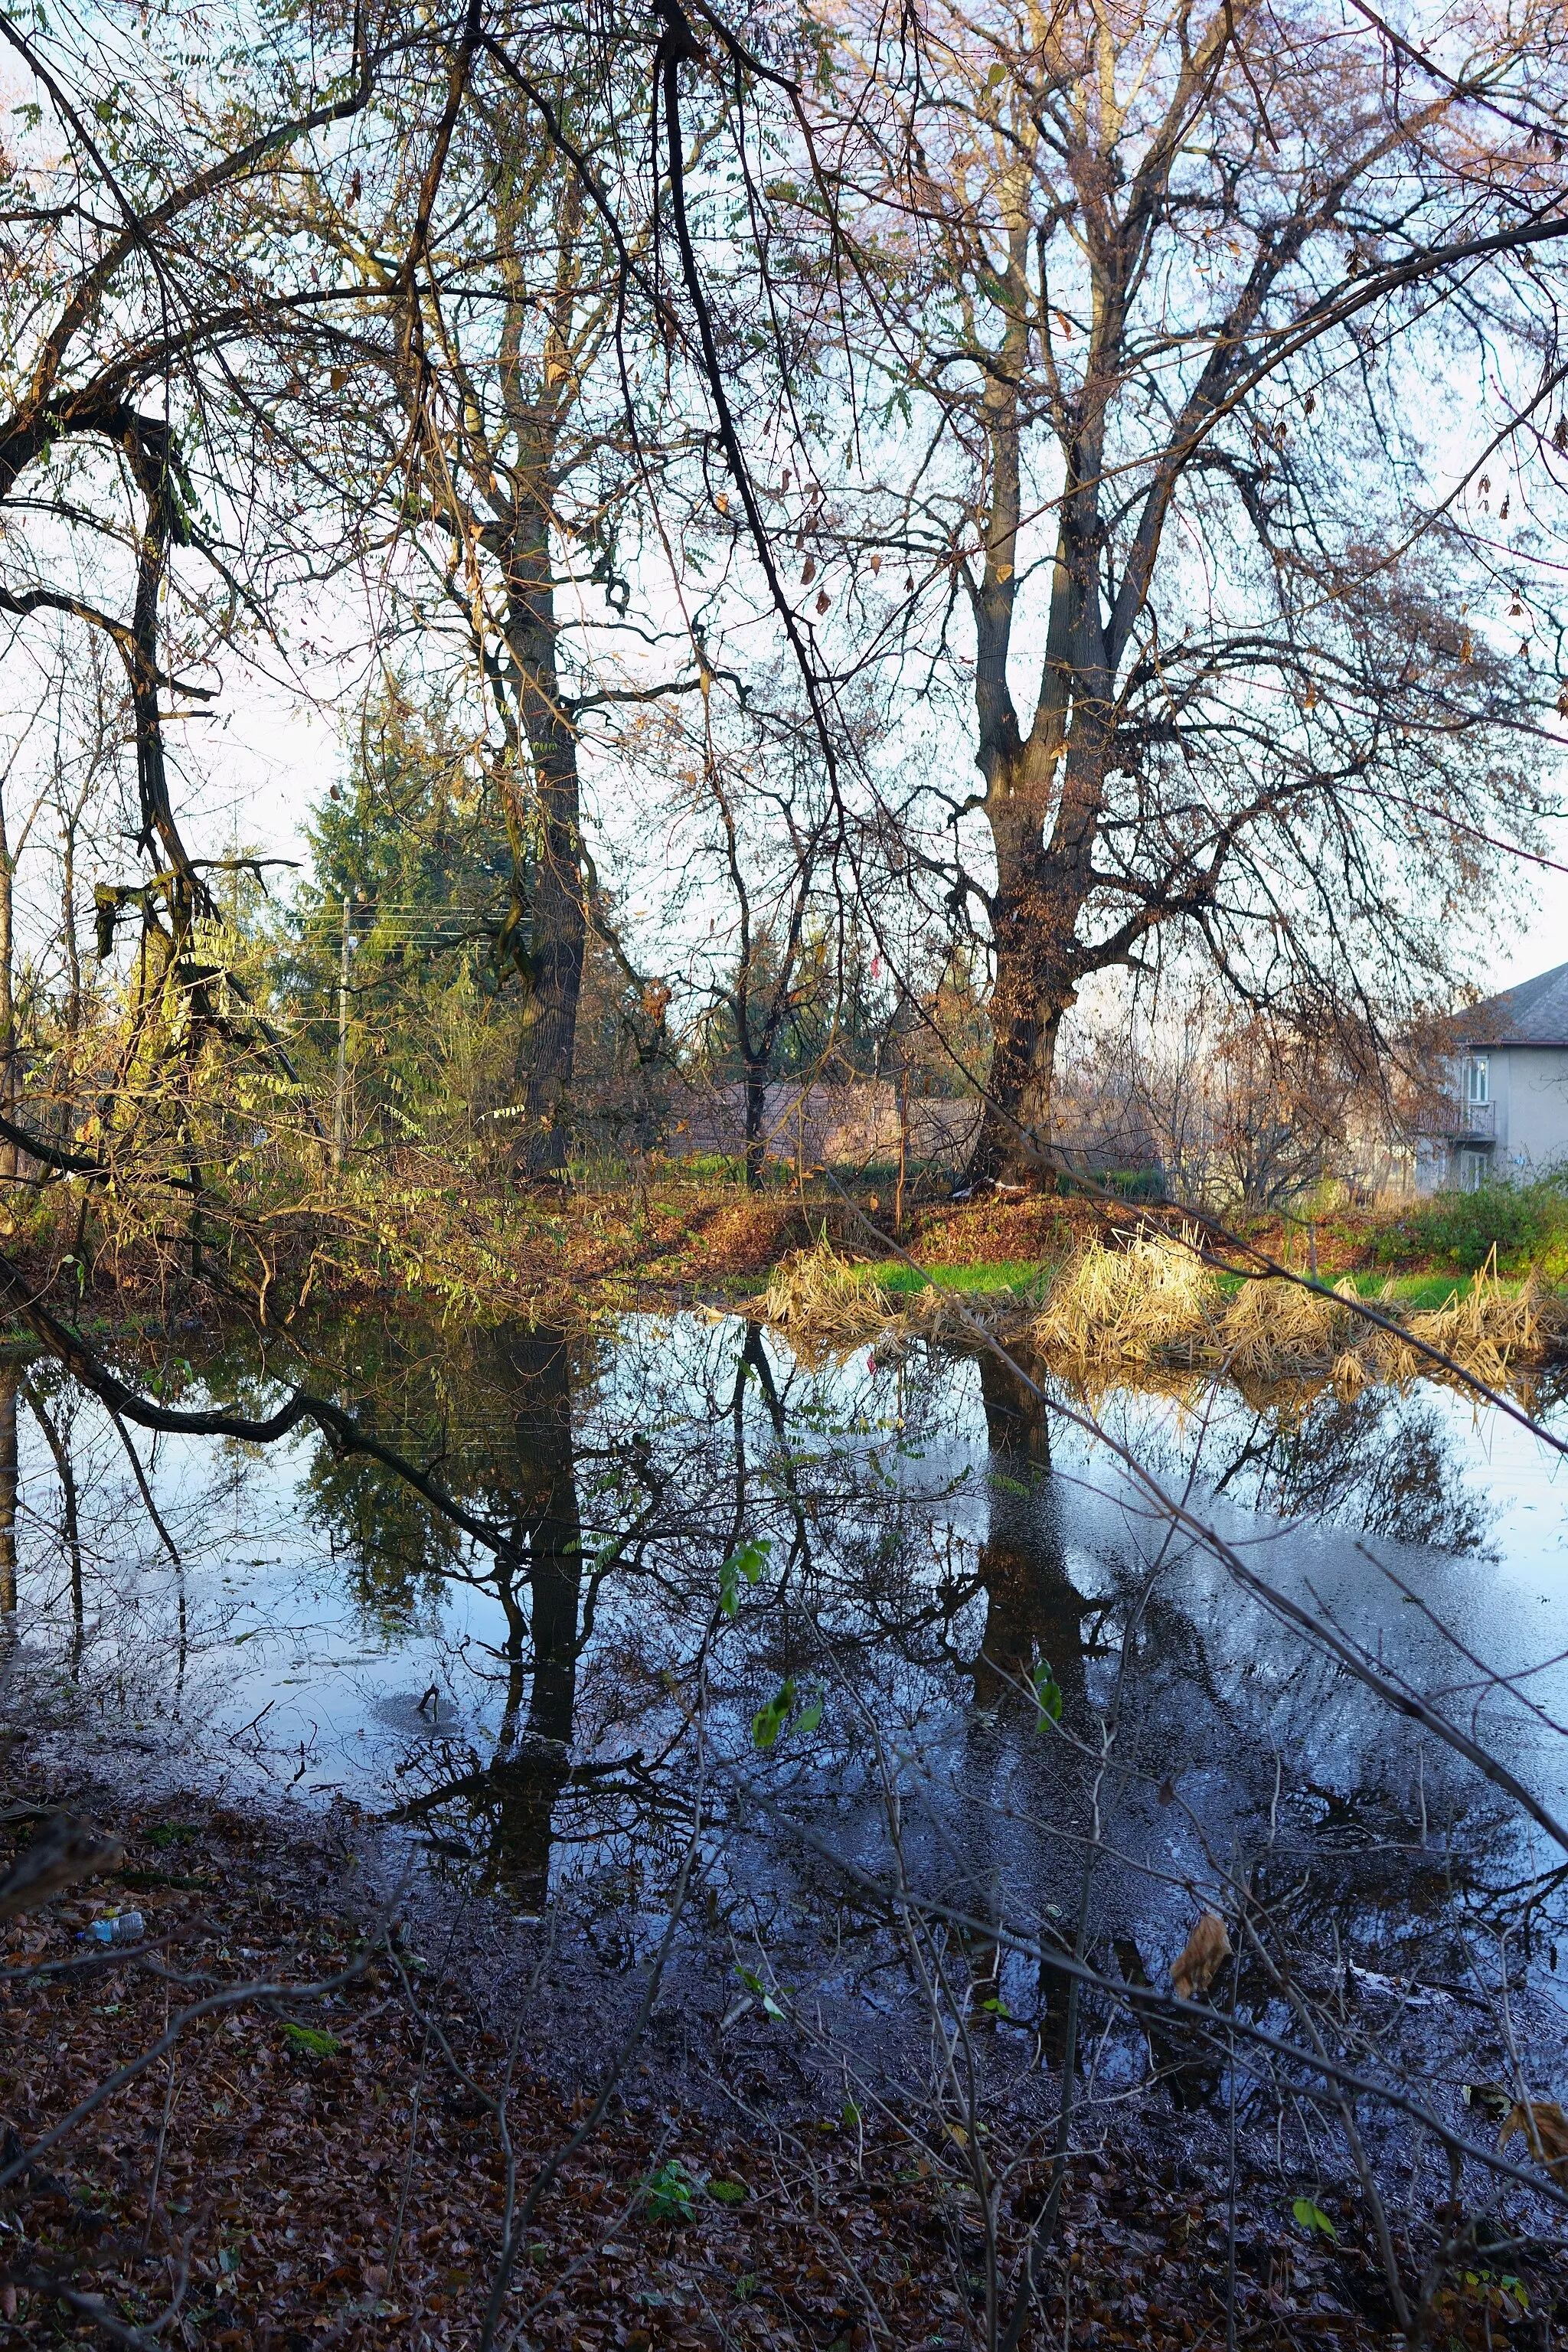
1200 1959
346 2190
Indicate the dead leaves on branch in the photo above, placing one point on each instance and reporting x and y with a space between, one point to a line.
1545 2128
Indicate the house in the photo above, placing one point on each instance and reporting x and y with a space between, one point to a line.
1503 1116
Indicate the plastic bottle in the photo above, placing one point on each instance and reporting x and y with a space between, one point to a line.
124 1927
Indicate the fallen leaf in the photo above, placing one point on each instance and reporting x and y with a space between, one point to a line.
1200 1958
1545 2129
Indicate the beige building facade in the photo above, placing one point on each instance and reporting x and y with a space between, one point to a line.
1504 1115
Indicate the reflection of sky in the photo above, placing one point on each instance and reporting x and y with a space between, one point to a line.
288 1679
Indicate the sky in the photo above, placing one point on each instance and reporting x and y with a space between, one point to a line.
276 758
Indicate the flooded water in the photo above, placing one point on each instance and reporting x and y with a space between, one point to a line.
878 1616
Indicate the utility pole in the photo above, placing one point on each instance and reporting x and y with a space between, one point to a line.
340 1096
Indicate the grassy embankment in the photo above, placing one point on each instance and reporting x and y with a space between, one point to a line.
1131 1292
477 1246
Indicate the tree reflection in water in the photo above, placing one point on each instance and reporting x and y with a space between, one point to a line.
936 1538
1034 1613
8 1383
531 1490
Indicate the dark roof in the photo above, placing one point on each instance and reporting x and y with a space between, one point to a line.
1533 1013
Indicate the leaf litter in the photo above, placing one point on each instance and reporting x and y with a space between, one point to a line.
341 2186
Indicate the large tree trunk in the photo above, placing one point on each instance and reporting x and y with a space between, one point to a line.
557 938
538 405
557 924
8 1087
1039 895
756 1123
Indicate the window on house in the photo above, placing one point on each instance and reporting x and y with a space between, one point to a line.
1478 1080
1473 1168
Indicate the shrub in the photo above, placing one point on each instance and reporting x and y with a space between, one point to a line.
1527 1224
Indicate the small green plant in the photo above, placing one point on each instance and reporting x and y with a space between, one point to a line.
728 2192
311 2040
1312 2219
1048 1695
759 1992
669 2193
168 1833
770 1720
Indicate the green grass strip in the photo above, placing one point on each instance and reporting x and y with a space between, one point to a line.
986 1274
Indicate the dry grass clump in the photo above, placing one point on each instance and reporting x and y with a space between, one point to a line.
1129 1306
1153 1302
812 1295
1274 1329
826 1306
1486 1331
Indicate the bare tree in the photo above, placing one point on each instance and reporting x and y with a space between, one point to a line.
505 309
1138 316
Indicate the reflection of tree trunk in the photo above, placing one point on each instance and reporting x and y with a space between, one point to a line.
7 1490
531 1767
548 1512
1033 1616
58 1444
514 1795
1189 2068
1034 1613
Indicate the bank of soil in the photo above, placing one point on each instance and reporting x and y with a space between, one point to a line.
303 2173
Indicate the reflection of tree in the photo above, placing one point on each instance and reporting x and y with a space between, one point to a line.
56 1436
397 1546
532 1492
1032 1610
8 1489
1380 1461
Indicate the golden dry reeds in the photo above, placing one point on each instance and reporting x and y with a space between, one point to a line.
1274 1329
826 1305
816 1297
1130 1306
1485 1330
1152 1302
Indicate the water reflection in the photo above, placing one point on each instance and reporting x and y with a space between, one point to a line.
925 1540
530 1487
1035 1615
8 1386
